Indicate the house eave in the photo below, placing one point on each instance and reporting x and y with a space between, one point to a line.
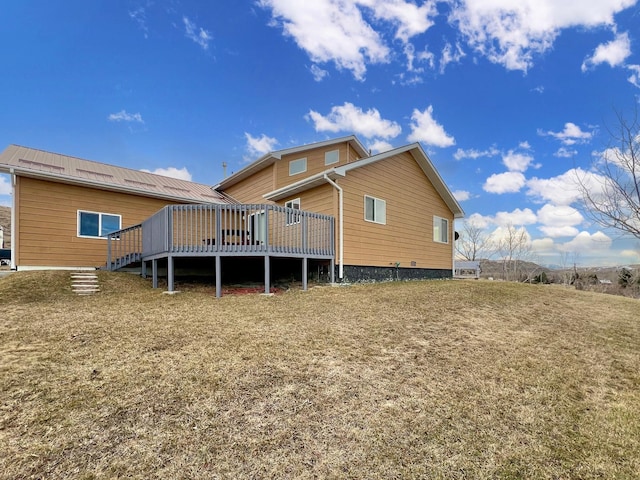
302 185
415 149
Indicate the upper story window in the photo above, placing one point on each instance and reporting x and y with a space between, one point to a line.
375 210
331 157
440 230
96 224
293 217
297 166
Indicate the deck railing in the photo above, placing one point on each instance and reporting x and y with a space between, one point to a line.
203 230
124 247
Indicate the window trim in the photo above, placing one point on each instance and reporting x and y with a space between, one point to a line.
376 203
446 230
337 157
100 215
293 218
298 161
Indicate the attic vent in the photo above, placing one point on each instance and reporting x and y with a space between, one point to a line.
139 184
91 172
41 165
217 197
177 189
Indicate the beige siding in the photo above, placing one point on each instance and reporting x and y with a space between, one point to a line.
251 189
411 203
47 222
322 199
315 163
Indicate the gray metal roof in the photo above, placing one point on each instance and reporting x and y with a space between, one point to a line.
35 163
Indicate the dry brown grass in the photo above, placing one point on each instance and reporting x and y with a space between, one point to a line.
402 380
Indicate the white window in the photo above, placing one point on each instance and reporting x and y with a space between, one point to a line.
297 166
440 230
375 210
332 157
293 217
96 224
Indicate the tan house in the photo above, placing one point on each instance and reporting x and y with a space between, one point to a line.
63 206
331 204
394 213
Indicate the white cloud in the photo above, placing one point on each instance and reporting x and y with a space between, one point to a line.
425 56
139 15
318 73
556 232
502 233
614 52
258 146
511 33
508 182
450 55
516 162
5 185
559 216
426 130
543 246
565 189
352 119
571 134
342 31
379 146
479 221
565 153
515 217
409 18
197 34
123 116
330 31
633 256
475 154
634 78
179 173
461 195
585 242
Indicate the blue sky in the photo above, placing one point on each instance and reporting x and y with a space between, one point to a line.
508 97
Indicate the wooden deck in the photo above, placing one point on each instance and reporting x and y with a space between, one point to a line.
221 230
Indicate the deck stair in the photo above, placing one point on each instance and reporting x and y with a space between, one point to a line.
84 283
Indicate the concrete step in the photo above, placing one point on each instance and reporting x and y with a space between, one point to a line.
84 283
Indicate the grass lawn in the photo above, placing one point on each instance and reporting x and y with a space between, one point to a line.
439 379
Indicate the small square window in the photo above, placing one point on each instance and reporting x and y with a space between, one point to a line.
297 166
375 210
332 157
440 230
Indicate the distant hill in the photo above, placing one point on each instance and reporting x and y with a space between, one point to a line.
5 221
496 270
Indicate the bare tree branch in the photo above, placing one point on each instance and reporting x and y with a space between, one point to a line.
611 191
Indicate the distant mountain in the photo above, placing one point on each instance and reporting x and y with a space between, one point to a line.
5 221
496 269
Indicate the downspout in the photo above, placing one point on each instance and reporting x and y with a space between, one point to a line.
340 225
13 219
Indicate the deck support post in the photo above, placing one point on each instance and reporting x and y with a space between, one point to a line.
267 274
305 266
143 269
218 277
154 272
170 273
332 270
